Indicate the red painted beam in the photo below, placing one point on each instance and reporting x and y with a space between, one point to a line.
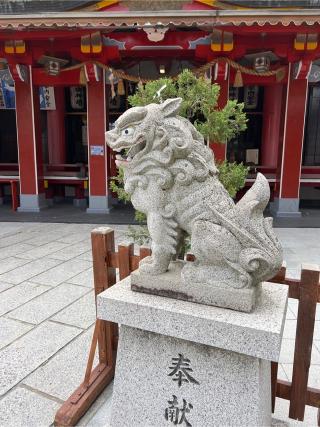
65 78
131 40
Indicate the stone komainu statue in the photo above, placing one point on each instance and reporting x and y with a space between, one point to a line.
171 177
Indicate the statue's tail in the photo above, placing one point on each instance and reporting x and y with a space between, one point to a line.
264 258
260 257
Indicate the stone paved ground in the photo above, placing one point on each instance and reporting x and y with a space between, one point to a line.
47 312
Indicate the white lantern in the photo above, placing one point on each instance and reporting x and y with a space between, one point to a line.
262 63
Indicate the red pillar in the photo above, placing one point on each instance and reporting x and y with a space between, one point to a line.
287 202
32 197
96 126
56 129
220 149
271 125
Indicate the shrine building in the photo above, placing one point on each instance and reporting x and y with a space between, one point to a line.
67 68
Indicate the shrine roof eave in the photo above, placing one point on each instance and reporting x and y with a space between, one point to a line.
134 19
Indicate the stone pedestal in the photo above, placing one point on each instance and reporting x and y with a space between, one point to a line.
172 284
182 363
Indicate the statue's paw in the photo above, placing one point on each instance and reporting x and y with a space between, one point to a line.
152 268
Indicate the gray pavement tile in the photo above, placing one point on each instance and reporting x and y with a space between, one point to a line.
101 418
45 236
7 264
65 371
314 374
4 286
316 332
42 251
71 252
287 367
290 314
287 352
11 330
293 273
293 304
282 373
14 239
82 313
75 237
27 353
25 272
62 272
15 249
87 256
96 407
25 408
9 228
282 411
85 278
290 327
20 294
47 304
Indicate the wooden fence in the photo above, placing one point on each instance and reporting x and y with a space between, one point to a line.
105 263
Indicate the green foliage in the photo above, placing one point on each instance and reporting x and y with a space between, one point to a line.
199 105
140 217
116 186
139 234
233 176
147 94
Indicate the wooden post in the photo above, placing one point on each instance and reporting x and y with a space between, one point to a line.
304 337
124 252
144 252
102 241
274 376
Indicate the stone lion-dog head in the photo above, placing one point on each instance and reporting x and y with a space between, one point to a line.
154 138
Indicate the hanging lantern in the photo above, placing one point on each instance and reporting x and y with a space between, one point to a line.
3 64
121 88
261 63
52 65
111 80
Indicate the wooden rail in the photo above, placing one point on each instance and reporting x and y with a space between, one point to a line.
306 291
105 263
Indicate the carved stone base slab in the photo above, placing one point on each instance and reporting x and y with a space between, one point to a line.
170 284
174 381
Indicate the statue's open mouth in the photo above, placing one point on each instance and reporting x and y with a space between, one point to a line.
127 155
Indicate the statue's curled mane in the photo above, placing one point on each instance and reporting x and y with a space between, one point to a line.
176 154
